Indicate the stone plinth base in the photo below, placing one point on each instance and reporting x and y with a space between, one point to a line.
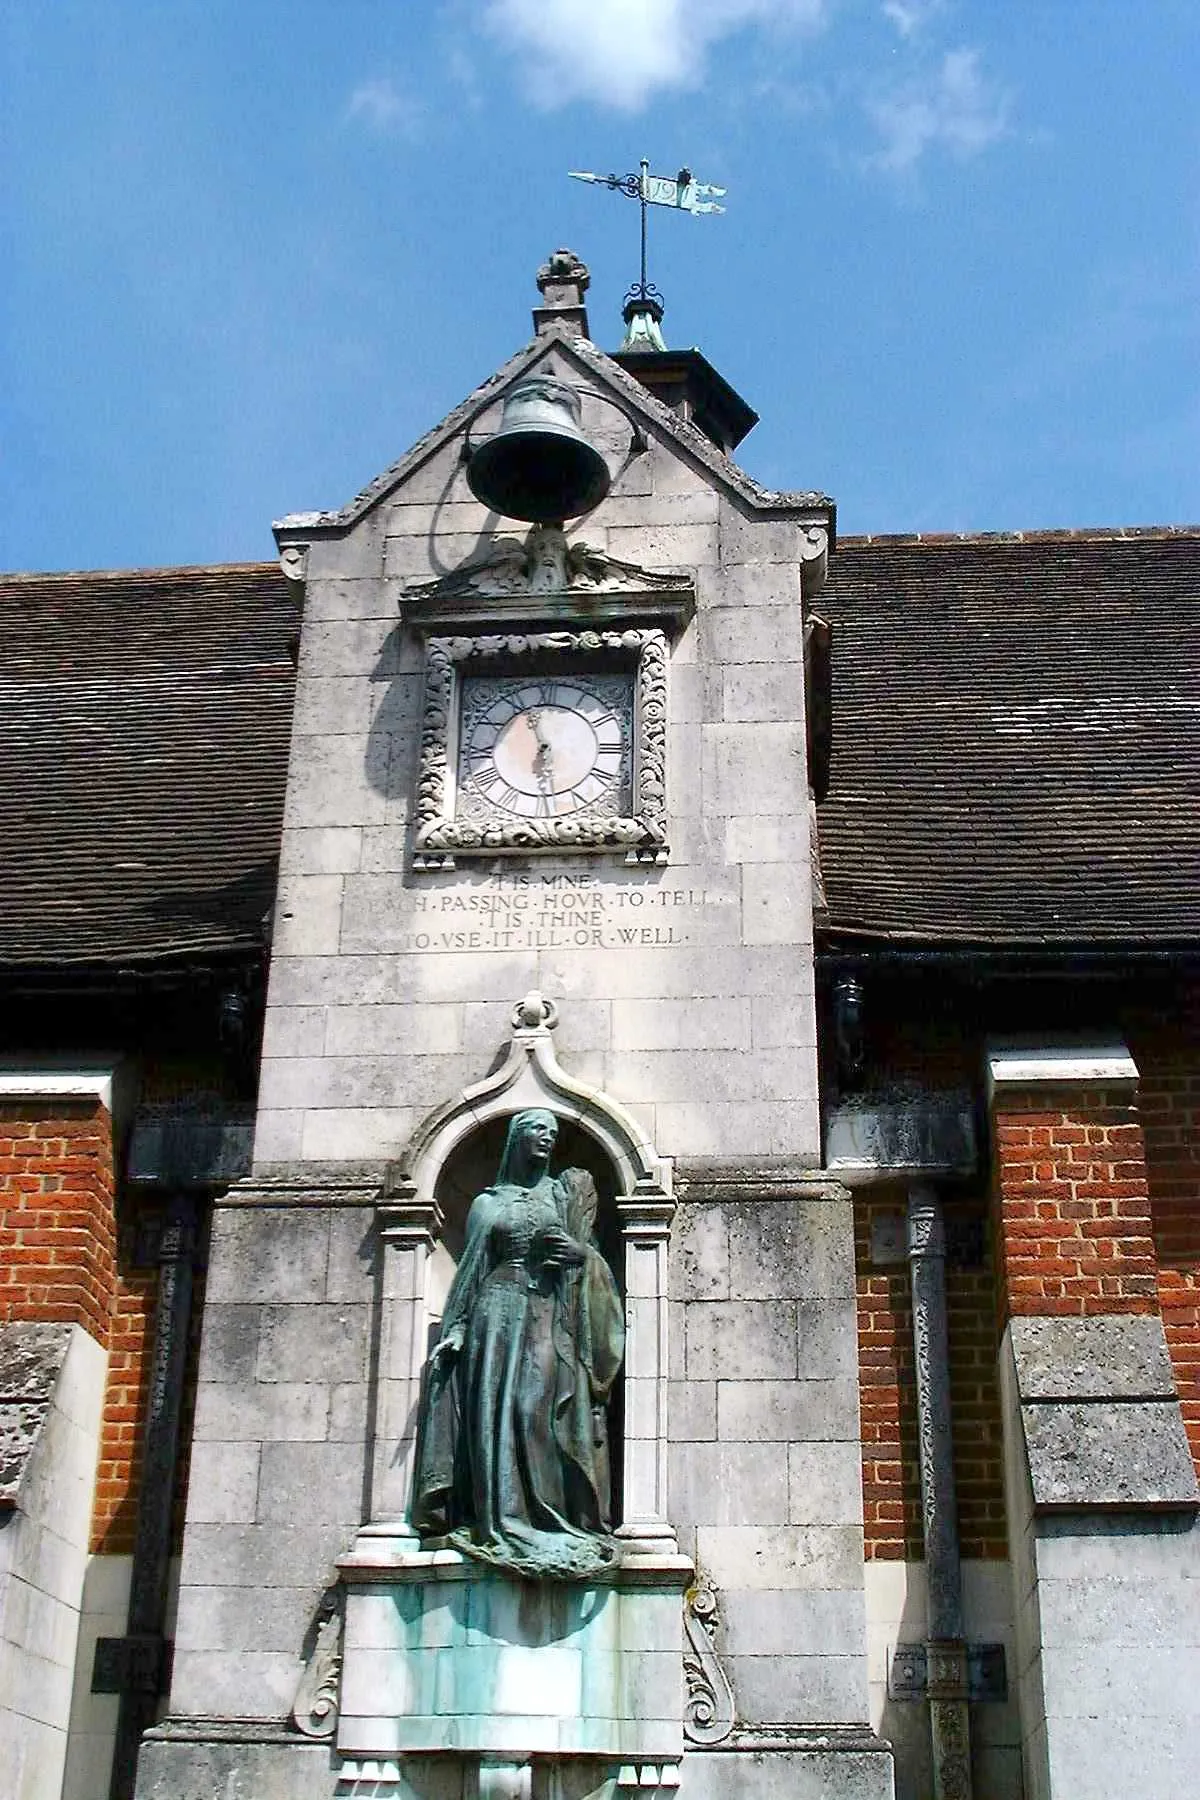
442 1654
832 1764
191 1759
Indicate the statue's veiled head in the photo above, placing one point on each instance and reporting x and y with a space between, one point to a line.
528 1146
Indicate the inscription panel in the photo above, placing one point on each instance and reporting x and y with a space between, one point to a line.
557 911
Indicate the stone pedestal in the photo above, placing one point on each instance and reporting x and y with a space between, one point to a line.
443 1656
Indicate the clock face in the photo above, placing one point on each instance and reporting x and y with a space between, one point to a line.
542 747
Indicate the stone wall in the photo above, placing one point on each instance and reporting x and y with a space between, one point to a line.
390 989
279 1453
764 1468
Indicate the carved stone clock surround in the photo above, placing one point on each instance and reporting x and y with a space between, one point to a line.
531 599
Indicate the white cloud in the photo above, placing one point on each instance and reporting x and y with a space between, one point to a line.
911 16
380 105
620 52
954 108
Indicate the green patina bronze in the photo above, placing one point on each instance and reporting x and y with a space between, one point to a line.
512 1461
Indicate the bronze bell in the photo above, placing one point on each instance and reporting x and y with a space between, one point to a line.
539 465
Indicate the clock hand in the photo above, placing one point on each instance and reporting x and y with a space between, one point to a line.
543 758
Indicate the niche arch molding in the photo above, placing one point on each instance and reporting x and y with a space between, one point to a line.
411 1224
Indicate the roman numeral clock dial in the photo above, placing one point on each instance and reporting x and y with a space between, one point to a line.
545 749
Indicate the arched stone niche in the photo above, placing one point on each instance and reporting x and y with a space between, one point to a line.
454 1155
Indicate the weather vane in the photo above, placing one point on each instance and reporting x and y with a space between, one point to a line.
684 193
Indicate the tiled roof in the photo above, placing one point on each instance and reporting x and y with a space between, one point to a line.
1016 739
144 727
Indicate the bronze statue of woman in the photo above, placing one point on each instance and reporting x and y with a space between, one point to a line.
512 1452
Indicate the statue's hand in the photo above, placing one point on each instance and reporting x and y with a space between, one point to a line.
557 1249
445 1350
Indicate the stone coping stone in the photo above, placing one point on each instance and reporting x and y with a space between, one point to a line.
703 1180
378 1560
32 1354
1116 1356
1113 1455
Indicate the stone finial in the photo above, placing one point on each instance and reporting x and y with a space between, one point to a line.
563 280
534 1013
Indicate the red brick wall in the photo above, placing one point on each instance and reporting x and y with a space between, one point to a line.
57 1212
887 1386
114 1514
118 1482
1170 1109
1073 1219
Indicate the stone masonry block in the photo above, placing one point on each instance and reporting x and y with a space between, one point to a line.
711 1128
356 557
1130 1453
665 546
366 1081
261 1556
825 1484
230 1341
779 1557
714 1024
800 1248
321 1483
223 1484
684 1075
321 850
288 1411
761 692
729 1484
352 1134
321 1343
770 634
308 915
1133 1612
353 1246
828 1340
738 1340
756 769
268 1253
821 1689
275 1618
228 1683
698 1266
807 1622
1116 1356
381 1030
278 1134
767 838
294 1031
339 781
692 1411
777 909
358 649
332 706
787 1411
815 1773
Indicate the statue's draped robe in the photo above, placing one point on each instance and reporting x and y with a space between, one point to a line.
512 1452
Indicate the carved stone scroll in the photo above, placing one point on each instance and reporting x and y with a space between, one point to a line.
708 1711
315 1708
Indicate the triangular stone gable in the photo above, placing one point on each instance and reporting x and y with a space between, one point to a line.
596 369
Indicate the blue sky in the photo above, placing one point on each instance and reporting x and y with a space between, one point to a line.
253 250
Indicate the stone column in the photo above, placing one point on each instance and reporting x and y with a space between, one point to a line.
646 1229
946 1650
407 1228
